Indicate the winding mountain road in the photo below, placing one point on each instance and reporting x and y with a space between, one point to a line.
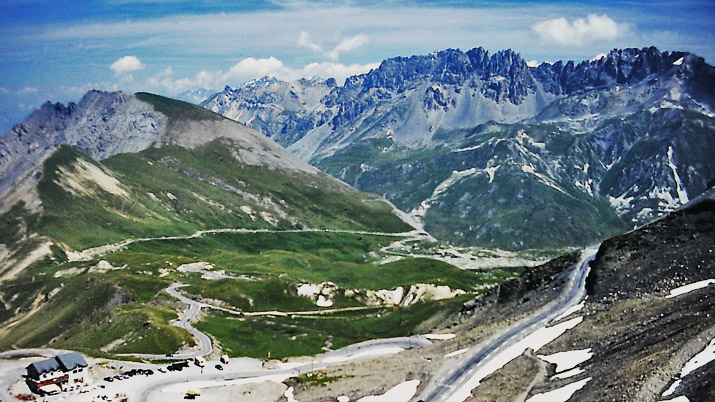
442 390
202 340
143 388
454 380
90 253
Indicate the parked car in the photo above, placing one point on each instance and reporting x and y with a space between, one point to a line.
219 367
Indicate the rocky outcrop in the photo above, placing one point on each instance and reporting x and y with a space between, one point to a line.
97 125
324 294
104 124
639 332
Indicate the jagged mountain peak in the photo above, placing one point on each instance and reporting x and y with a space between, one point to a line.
623 136
452 89
450 66
104 124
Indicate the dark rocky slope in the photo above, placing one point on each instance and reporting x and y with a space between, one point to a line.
639 338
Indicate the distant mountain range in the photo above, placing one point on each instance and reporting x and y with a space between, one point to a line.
196 96
491 152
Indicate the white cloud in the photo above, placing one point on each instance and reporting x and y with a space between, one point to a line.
28 90
336 70
79 90
599 56
594 28
4 90
533 63
252 68
126 64
255 68
346 45
168 72
304 40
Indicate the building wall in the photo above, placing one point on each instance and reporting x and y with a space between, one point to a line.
78 376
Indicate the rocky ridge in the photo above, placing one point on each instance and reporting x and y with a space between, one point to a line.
104 124
488 142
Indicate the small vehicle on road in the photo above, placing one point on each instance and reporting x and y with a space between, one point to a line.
219 367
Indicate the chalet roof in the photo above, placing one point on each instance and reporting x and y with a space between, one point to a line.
66 362
71 361
45 366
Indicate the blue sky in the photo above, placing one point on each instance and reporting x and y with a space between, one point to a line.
57 50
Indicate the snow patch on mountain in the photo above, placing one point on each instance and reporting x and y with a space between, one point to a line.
682 194
529 168
491 171
621 203
441 188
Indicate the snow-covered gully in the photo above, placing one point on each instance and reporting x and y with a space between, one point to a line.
456 385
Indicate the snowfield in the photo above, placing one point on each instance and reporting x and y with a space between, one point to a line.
689 288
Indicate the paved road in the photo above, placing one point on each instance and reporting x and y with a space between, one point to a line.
320 362
204 342
108 248
142 388
482 354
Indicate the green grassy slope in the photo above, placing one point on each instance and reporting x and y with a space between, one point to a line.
176 191
173 191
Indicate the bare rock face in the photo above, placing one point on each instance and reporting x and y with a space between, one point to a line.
488 150
104 124
284 111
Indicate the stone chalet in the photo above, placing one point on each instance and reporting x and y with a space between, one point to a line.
66 372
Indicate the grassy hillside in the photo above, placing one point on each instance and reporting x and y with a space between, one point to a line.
175 191
124 310
114 303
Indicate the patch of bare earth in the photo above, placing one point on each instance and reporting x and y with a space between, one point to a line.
40 252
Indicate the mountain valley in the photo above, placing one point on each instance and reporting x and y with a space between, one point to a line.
98 238
459 225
